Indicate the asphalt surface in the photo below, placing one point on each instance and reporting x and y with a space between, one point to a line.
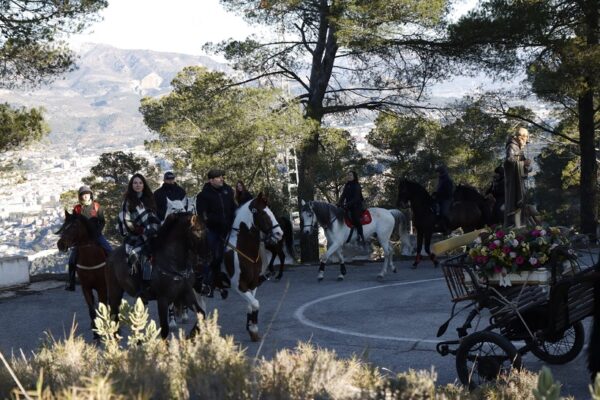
391 323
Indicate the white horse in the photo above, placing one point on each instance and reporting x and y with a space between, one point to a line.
188 204
254 225
331 219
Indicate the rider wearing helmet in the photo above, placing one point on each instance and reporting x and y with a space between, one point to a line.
89 208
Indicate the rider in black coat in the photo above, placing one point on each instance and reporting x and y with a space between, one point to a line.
216 204
351 200
169 190
443 195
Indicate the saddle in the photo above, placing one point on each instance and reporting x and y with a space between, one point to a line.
365 219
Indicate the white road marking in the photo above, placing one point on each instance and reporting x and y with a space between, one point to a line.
299 314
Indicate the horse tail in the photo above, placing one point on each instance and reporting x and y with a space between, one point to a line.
288 235
401 224
594 343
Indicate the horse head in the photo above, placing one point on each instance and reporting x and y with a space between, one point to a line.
257 213
74 230
175 207
308 218
404 194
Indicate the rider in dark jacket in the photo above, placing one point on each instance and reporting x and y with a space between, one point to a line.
215 202
169 190
443 194
496 190
351 200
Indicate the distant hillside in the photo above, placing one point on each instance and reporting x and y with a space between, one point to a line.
96 106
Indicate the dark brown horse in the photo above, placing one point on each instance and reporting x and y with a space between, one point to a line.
465 213
277 248
181 240
79 231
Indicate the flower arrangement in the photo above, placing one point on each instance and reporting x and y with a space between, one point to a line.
497 251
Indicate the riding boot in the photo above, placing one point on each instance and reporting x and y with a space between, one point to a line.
70 286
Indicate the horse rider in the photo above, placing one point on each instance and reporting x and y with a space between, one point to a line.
138 223
516 168
496 190
352 202
216 204
169 190
89 208
443 197
242 195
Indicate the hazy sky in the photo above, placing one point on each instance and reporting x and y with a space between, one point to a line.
180 26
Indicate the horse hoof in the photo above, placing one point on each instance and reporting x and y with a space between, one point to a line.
379 277
395 270
254 336
185 318
414 266
340 277
320 276
172 324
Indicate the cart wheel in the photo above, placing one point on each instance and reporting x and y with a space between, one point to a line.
561 350
483 356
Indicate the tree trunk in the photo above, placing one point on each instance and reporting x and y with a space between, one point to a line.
589 169
309 244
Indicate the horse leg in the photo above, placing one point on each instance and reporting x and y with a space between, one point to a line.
419 247
281 265
199 305
172 321
88 294
432 256
324 259
163 316
343 271
252 314
271 268
387 258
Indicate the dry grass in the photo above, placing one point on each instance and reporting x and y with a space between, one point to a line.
211 366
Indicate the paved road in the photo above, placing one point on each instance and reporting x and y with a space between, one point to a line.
391 323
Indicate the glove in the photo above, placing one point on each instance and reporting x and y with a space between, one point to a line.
139 230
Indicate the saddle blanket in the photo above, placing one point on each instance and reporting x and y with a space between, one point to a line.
365 219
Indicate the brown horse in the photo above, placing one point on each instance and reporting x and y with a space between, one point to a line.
277 248
181 240
79 231
254 223
465 213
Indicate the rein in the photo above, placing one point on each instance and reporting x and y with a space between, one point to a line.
232 247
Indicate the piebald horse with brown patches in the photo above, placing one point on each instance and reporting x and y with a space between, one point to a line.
253 226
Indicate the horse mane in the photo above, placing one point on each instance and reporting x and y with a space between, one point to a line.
417 188
325 211
468 192
172 222
90 224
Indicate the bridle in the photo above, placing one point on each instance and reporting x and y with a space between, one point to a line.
267 233
313 218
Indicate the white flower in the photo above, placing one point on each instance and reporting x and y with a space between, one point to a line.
512 254
497 242
543 232
533 261
515 243
553 246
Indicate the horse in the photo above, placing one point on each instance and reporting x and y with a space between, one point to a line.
277 248
175 251
188 204
465 214
254 223
79 231
337 231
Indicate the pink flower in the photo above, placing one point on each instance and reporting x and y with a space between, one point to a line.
506 249
520 238
497 269
535 233
492 246
519 260
500 234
